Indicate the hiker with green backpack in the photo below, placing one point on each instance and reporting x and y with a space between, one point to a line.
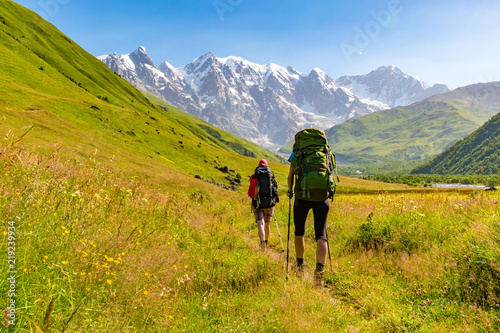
312 167
264 193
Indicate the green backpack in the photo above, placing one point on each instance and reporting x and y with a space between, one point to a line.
313 165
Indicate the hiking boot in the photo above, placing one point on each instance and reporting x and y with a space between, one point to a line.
263 245
319 278
299 270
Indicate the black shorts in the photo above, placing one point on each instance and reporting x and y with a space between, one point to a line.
320 212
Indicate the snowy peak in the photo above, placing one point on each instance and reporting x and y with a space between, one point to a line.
166 68
140 56
394 75
388 70
318 72
292 70
391 86
141 52
201 64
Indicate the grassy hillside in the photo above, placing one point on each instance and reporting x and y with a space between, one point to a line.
73 101
417 131
476 154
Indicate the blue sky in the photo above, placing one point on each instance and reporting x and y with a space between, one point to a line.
452 42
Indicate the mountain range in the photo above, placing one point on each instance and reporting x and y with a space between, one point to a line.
268 104
52 85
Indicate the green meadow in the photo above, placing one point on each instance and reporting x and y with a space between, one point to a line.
101 251
105 227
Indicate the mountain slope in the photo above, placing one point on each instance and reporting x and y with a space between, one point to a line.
476 154
417 131
266 104
74 102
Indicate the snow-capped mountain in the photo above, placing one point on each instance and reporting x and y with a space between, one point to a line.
266 104
391 86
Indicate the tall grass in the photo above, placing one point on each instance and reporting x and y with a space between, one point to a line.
117 254
99 250
423 262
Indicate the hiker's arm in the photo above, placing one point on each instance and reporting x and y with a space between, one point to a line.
290 182
252 188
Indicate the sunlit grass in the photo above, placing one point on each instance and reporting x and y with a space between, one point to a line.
117 254
114 233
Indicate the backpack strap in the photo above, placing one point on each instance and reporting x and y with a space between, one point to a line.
269 174
303 174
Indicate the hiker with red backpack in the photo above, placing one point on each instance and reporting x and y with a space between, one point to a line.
312 167
264 193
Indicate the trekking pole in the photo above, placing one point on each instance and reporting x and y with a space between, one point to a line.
288 237
327 238
250 225
278 232
328 247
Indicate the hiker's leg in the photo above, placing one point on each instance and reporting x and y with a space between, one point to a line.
321 251
319 272
300 210
260 227
259 219
320 212
300 246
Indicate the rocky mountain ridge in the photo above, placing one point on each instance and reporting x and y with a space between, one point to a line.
267 104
